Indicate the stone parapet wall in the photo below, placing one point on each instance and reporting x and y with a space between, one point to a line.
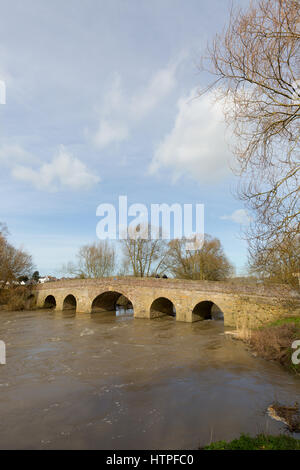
256 289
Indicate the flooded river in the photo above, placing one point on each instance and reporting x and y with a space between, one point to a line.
103 381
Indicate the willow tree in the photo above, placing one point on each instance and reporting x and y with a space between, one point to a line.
209 263
256 65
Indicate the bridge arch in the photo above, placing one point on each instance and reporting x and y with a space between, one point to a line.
109 301
50 302
207 310
70 302
162 306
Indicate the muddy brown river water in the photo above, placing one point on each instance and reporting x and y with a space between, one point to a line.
103 381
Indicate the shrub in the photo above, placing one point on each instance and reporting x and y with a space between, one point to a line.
16 298
274 343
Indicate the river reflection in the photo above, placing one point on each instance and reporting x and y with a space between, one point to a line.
114 382
123 312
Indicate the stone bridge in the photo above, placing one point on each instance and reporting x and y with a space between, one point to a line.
187 301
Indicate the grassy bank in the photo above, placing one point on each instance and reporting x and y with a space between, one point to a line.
260 442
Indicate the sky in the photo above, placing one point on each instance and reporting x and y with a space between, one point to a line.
102 101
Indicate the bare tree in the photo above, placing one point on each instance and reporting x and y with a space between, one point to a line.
256 64
14 263
3 230
208 263
280 263
94 261
143 255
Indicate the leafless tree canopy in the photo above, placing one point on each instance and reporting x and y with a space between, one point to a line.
280 263
143 256
14 262
256 63
94 260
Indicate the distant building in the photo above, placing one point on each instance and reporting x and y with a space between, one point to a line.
44 279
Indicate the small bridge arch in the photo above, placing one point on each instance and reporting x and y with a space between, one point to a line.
207 310
70 302
162 306
50 302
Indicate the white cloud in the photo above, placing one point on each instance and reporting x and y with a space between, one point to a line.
196 145
64 171
109 132
12 154
121 112
161 84
240 216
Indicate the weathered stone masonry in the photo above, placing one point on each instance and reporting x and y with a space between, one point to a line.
254 305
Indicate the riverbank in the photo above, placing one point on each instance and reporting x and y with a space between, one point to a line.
273 341
16 298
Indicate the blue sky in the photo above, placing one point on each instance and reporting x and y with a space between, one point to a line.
102 101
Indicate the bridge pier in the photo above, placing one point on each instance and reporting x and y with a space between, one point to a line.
141 313
183 313
59 303
84 304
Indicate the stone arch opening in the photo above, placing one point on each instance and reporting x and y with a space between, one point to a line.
70 303
112 301
161 307
50 302
207 310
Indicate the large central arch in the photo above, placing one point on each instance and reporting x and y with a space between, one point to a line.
112 301
207 310
161 307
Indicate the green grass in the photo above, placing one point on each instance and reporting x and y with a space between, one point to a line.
260 442
286 320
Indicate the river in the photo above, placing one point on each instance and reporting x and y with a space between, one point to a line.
106 381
